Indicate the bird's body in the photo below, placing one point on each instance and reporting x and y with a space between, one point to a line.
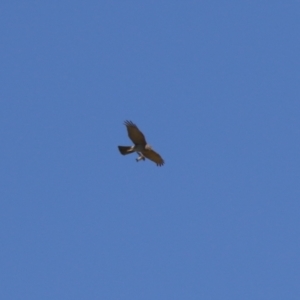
140 146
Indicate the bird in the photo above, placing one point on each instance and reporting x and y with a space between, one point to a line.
140 146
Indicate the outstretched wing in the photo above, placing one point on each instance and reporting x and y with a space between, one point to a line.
154 156
135 134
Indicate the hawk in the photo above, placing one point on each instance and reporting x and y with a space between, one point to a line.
140 146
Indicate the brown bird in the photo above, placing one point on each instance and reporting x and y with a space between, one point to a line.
140 146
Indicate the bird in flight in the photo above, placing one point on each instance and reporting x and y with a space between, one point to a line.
140 146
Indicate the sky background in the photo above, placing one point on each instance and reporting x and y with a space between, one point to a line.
214 86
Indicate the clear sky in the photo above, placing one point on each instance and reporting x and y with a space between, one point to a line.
214 86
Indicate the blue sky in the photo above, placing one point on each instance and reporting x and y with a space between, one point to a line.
214 86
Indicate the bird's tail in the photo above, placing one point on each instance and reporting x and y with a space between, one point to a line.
125 150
